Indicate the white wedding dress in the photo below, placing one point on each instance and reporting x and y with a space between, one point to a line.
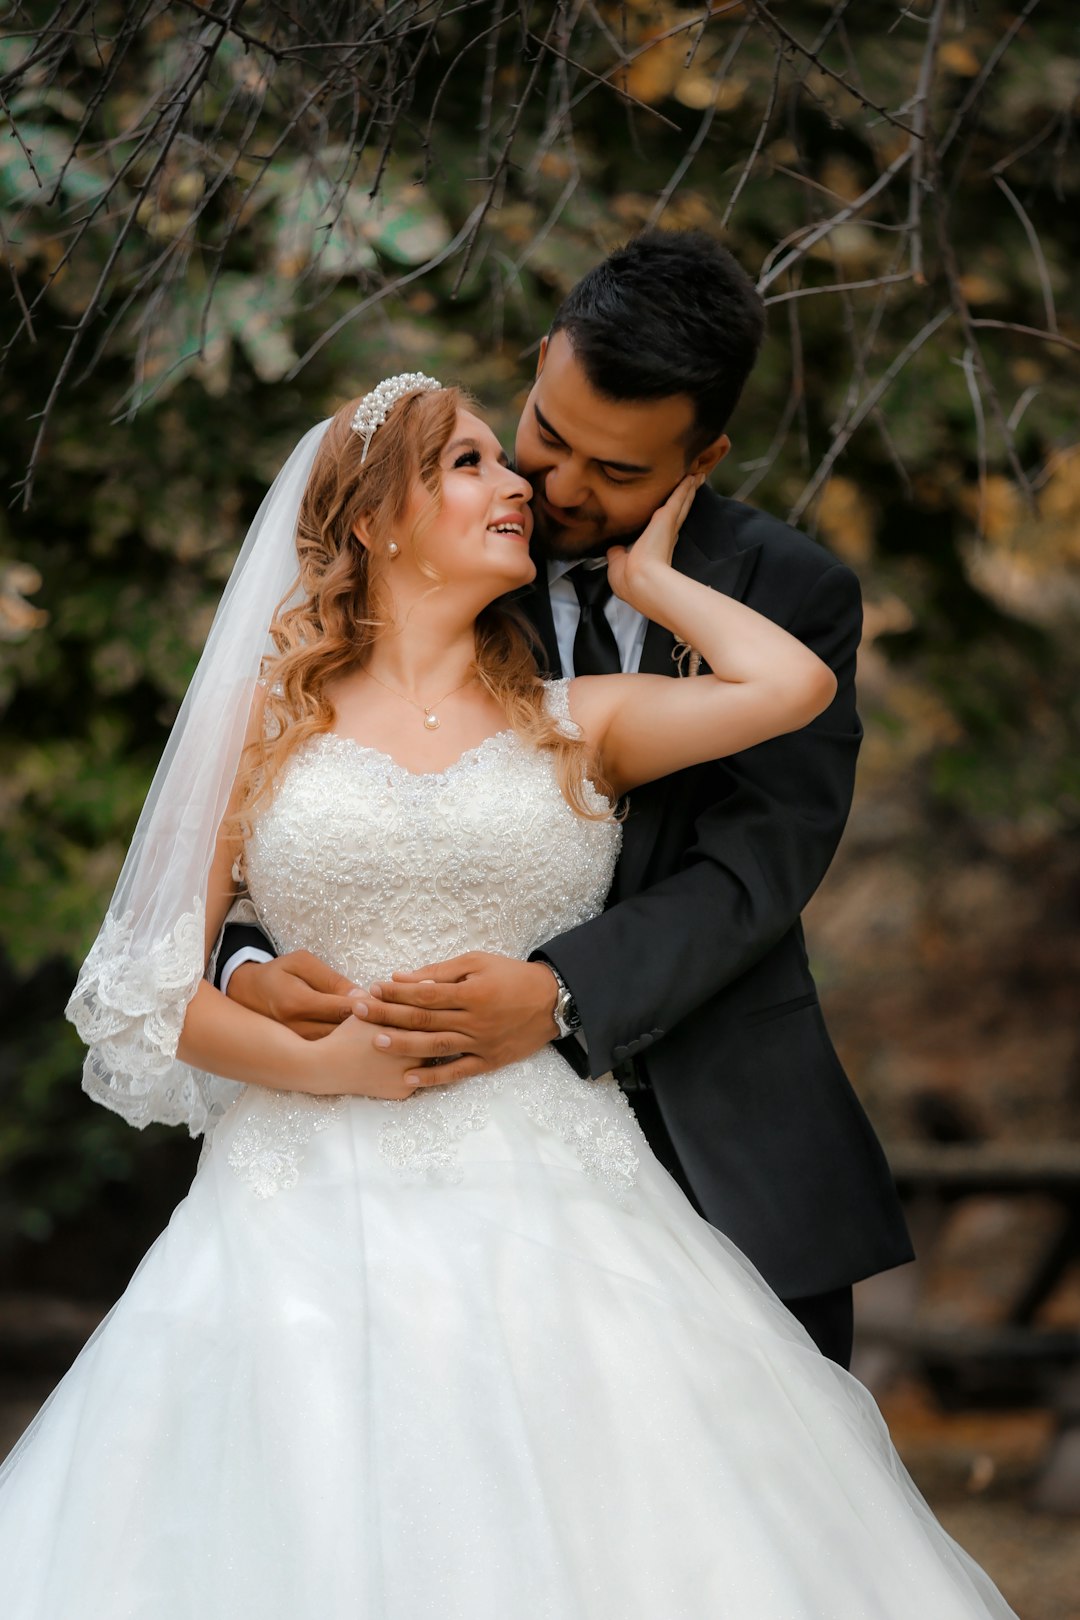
471 1356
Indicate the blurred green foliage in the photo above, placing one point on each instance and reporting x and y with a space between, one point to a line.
154 462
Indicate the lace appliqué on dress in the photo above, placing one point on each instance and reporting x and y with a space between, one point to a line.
268 1146
592 1117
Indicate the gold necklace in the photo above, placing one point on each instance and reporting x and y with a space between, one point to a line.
431 719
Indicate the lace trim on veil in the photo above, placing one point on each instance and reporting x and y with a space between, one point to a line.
130 1011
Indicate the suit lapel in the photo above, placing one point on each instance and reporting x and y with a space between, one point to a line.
706 551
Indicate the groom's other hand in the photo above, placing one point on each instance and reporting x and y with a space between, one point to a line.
470 1015
296 990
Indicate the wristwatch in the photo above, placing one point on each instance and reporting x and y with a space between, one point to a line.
565 1013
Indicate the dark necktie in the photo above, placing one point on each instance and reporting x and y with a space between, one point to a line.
596 652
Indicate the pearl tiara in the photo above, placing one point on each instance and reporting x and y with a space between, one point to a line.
375 407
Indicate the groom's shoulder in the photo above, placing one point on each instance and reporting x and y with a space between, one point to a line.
729 526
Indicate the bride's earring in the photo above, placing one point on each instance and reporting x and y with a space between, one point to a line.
393 550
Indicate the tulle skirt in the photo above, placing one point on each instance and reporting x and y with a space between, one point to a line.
514 1396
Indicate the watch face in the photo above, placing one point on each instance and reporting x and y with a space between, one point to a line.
566 1013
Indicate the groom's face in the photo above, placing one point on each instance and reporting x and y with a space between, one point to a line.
599 468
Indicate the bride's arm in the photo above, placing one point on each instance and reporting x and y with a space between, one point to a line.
763 681
224 1038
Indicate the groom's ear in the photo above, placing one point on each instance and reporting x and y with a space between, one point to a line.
541 356
711 456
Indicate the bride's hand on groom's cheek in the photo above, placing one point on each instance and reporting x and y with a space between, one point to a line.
464 1017
632 569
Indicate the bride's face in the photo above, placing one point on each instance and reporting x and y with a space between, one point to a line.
480 535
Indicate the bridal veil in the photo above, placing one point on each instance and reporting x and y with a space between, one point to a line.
144 967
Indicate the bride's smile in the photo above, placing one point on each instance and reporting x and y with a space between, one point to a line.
471 534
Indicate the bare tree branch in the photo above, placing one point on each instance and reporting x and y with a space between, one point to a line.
967 365
959 302
1027 331
772 272
354 97
1036 249
839 287
467 233
880 388
759 141
918 166
197 76
978 84
705 125
769 19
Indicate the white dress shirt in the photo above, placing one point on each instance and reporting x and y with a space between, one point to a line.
247 953
627 623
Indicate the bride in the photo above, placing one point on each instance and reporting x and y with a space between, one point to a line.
411 1351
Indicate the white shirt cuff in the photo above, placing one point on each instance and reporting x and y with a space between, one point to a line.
248 953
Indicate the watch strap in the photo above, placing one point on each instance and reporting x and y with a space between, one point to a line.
566 1015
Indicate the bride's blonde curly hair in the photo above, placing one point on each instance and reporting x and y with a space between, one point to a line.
338 618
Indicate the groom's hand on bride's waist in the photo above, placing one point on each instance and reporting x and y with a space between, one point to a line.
296 990
463 1017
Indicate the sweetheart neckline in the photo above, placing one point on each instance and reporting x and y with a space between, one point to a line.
466 756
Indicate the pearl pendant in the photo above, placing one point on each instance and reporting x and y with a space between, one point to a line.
431 721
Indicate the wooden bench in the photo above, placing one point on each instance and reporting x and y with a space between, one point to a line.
1015 1359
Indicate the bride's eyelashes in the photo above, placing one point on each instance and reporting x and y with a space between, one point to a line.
474 458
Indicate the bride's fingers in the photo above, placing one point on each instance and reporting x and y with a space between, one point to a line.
686 492
670 517
404 1043
682 495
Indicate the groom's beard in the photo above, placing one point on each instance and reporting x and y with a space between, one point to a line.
554 542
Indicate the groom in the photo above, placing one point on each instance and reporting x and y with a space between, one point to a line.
693 986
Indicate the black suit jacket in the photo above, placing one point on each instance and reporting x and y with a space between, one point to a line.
697 968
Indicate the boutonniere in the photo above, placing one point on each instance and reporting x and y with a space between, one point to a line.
687 659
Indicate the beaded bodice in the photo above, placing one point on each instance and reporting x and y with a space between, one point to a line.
374 868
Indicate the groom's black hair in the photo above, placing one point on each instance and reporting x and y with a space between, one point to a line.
672 312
